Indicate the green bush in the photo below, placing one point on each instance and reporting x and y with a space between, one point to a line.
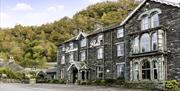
11 74
83 83
96 82
171 85
78 82
62 81
88 82
103 82
55 81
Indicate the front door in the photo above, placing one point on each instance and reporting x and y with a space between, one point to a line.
74 74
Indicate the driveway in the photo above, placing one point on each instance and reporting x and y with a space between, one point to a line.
55 87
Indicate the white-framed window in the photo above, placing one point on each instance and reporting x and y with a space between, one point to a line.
100 53
146 69
136 45
71 45
154 20
136 71
71 57
120 70
99 72
155 69
62 74
83 55
63 59
120 33
100 38
154 42
145 43
63 47
83 42
120 49
145 23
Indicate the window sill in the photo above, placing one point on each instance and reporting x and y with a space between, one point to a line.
147 54
145 31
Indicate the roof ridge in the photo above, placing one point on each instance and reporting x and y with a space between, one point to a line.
167 2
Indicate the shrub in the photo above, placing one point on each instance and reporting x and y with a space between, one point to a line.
103 82
171 85
88 82
78 82
11 74
83 83
96 82
62 81
55 81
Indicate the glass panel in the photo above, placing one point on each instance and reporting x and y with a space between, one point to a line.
120 49
136 73
100 53
145 23
154 20
154 41
145 43
146 70
120 70
120 33
136 45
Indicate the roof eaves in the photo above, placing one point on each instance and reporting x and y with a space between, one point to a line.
132 13
167 3
143 2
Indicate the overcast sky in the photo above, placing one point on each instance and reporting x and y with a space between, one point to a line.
37 12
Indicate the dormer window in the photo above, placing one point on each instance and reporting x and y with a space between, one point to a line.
120 33
83 42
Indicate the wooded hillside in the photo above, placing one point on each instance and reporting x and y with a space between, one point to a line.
36 45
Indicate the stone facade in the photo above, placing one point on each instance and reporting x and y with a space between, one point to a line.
145 46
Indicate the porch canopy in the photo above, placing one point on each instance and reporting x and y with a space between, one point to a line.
76 64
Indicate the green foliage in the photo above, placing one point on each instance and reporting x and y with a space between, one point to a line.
11 74
56 81
33 46
171 85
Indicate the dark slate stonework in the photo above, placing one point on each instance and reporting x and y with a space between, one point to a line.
169 23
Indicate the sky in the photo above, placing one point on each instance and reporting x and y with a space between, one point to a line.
37 12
